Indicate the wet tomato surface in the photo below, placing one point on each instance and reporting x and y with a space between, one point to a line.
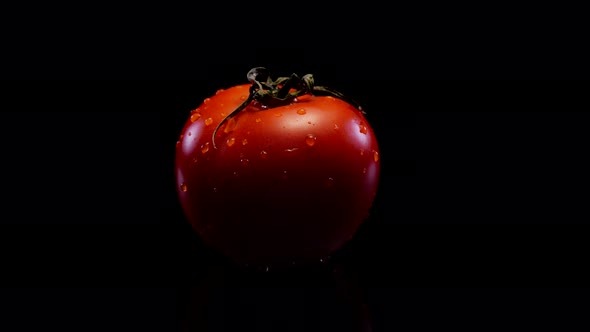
282 179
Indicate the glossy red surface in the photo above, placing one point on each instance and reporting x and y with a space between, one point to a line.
285 184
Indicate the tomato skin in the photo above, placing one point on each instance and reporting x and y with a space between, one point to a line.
285 184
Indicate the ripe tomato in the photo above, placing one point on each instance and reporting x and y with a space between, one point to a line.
288 176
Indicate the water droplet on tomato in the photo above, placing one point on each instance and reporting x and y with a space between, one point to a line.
244 161
278 114
375 156
196 110
330 182
258 120
310 139
244 141
206 100
263 154
231 141
195 117
362 152
195 160
219 91
183 187
336 127
222 114
365 170
301 111
208 121
230 126
205 147
363 128
177 143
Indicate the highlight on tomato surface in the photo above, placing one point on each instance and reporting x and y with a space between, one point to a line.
278 171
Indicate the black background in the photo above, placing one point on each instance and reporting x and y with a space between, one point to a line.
479 223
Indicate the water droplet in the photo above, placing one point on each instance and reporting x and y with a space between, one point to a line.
195 117
365 170
330 182
219 91
263 154
236 174
206 100
278 114
208 121
310 139
190 133
301 111
244 141
205 147
291 150
244 161
230 126
231 141
331 98
375 156
362 152
195 160
363 128
177 143
196 110
183 187
336 127
222 114
258 120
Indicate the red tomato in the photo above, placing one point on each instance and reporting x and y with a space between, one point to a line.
286 180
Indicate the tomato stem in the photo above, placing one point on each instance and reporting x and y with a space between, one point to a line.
276 93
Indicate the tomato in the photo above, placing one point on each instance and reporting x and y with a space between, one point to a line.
288 176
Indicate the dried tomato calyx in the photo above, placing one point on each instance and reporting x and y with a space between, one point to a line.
281 91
